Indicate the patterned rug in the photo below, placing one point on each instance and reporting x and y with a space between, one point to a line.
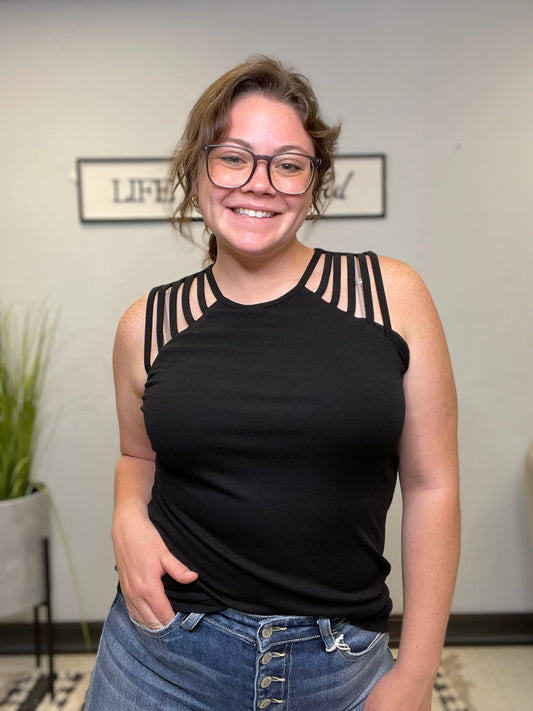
30 692
445 695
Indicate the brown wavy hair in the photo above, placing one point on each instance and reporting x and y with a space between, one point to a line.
209 120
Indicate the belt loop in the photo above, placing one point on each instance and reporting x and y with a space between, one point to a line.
190 621
324 627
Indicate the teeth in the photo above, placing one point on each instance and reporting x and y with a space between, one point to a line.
252 213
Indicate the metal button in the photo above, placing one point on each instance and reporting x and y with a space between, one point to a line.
266 632
265 703
266 658
265 683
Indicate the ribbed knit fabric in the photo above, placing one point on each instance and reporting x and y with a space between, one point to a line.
276 428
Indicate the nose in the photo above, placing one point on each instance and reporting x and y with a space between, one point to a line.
260 182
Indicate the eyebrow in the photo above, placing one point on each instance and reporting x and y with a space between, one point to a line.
282 149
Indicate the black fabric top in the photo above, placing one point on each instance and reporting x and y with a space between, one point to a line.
276 429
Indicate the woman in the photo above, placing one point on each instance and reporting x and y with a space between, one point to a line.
266 405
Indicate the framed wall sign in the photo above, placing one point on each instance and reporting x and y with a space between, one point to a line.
359 190
137 189
123 189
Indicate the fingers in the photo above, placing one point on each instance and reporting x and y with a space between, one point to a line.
151 609
146 617
177 570
147 602
142 561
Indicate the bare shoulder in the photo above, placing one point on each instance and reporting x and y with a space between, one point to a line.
400 277
133 318
132 322
128 351
409 300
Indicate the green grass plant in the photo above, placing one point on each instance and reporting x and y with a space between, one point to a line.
26 340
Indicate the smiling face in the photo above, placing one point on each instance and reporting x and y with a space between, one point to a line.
256 219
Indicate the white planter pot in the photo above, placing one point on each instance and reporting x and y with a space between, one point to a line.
24 523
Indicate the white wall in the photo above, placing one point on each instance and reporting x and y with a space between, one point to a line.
445 89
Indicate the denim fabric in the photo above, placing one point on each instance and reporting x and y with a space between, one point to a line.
230 661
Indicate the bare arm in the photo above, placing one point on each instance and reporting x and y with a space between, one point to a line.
142 557
430 494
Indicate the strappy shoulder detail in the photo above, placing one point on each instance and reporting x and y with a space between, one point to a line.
380 289
170 309
353 283
350 282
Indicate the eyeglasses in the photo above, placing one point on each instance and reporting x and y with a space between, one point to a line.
233 167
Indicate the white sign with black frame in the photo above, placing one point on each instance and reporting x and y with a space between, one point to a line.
137 189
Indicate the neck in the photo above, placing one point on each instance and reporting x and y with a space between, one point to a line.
253 279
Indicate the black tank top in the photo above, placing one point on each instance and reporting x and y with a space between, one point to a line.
276 430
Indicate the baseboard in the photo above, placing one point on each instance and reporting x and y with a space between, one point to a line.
68 638
463 630
480 629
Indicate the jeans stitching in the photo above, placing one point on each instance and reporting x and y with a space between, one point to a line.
355 656
229 630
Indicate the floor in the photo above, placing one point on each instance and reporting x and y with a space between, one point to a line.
492 678
486 678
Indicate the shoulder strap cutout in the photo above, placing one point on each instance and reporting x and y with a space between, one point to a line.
149 317
380 289
164 304
352 280
337 270
159 332
186 300
200 292
328 258
351 284
367 288
173 309
155 303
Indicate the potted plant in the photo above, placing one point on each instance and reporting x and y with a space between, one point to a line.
26 342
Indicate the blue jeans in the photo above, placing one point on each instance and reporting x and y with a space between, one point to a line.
230 661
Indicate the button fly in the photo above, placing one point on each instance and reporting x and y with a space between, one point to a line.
266 658
266 632
265 683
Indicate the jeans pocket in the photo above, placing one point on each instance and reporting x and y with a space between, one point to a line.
158 631
354 642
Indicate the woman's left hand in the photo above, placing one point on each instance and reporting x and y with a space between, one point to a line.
396 691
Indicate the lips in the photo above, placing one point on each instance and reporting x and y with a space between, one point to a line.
246 212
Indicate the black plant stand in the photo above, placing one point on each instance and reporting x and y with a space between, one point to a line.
47 604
